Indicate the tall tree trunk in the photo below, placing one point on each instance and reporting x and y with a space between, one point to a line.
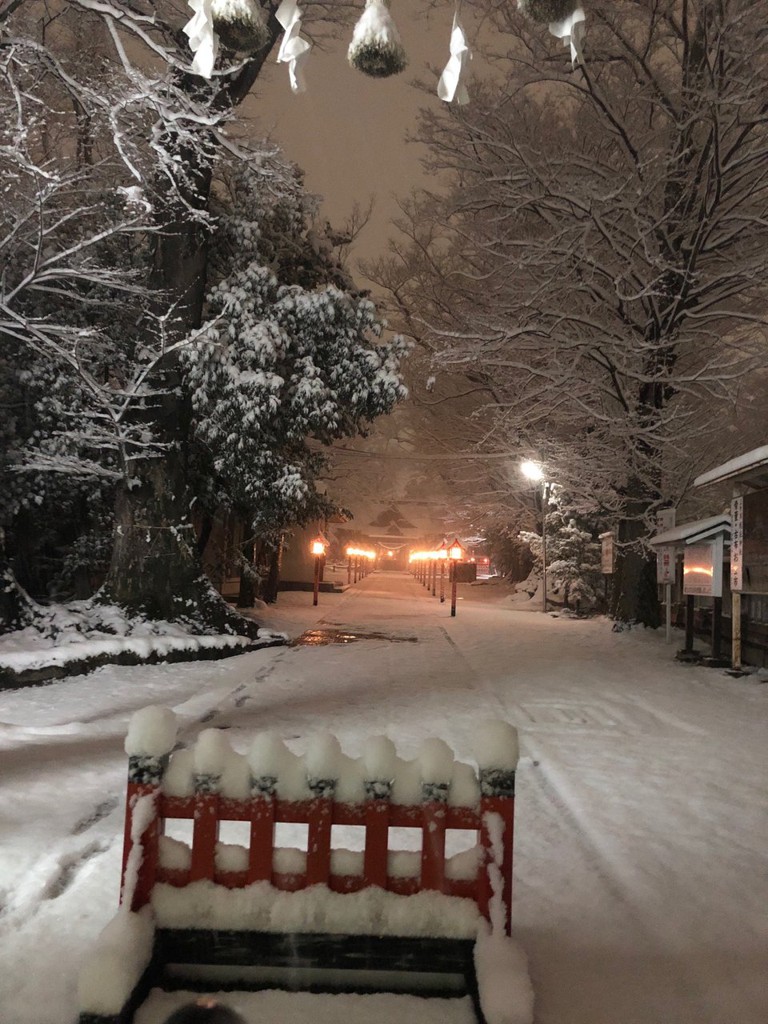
155 565
247 595
156 569
634 596
270 588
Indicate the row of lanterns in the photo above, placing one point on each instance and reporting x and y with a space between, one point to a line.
361 559
424 567
376 48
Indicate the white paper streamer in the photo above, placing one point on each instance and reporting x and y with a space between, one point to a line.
571 31
202 39
450 86
293 49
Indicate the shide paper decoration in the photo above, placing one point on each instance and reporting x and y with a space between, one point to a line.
293 50
202 38
571 31
564 18
376 49
451 87
239 24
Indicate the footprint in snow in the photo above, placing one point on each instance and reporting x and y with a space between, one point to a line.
100 811
69 867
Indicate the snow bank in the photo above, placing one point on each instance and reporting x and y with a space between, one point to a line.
82 631
260 906
117 962
501 966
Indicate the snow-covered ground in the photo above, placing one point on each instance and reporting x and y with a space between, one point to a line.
642 825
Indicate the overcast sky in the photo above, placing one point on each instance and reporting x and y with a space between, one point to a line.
348 131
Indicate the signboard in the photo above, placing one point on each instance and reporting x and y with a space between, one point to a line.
607 553
665 520
665 564
703 569
737 543
754 572
464 572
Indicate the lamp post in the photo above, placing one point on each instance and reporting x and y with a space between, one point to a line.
534 472
317 547
455 553
442 556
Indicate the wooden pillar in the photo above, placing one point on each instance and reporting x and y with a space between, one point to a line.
689 622
262 840
205 830
736 630
433 817
717 627
145 774
320 818
497 813
376 832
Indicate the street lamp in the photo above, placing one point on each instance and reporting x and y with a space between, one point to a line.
455 553
317 548
535 473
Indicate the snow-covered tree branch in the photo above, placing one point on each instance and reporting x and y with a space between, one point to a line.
602 258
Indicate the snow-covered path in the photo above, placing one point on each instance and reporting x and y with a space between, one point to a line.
642 823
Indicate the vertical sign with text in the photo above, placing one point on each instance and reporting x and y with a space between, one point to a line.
665 564
665 519
737 543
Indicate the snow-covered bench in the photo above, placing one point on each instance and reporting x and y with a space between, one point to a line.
377 919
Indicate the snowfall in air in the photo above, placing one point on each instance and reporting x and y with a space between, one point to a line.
641 821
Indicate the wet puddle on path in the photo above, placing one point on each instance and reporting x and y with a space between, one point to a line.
321 637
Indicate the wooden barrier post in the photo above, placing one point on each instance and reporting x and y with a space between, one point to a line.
145 775
434 796
320 819
497 789
377 796
205 831
262 839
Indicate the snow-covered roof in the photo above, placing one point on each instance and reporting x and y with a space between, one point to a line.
690 533
749 467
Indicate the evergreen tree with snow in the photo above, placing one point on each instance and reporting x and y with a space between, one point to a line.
574 571
288 360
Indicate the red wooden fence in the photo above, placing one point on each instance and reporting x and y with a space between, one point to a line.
208 808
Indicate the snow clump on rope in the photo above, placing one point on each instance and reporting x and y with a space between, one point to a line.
376 49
